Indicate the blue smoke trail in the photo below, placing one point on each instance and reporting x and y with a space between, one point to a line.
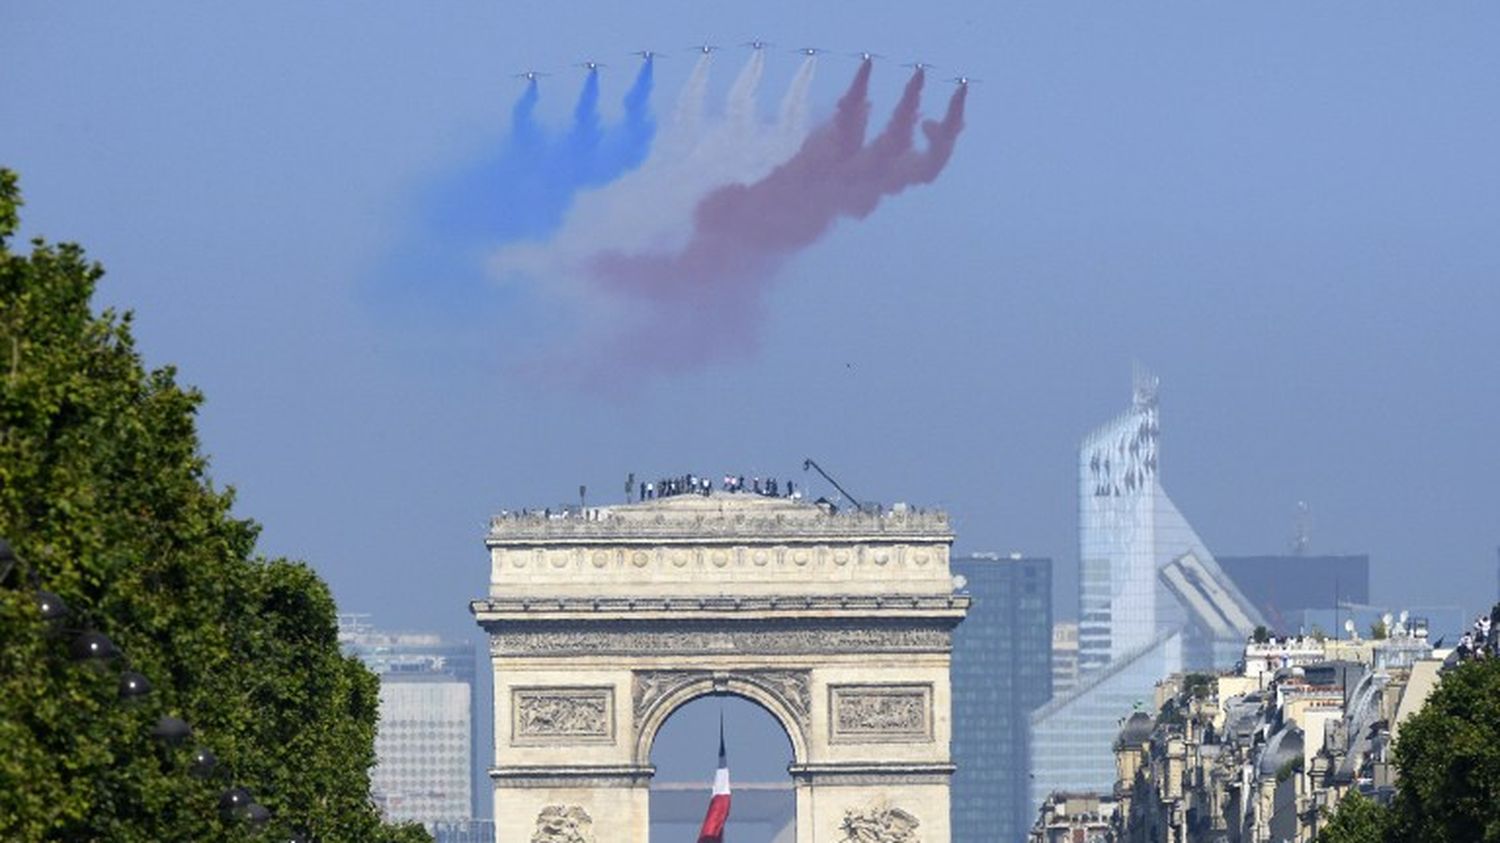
520 190
631 142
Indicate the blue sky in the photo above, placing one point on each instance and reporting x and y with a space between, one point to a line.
1287 210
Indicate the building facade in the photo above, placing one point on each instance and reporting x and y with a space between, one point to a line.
1266 753
1284 587
1001 672
1152 601
424 742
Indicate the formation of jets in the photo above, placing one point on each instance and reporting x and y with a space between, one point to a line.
754 44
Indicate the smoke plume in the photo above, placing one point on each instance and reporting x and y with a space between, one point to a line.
712 287
652 207
519 189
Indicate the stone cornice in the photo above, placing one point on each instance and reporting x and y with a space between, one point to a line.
872 773
572 775
501 609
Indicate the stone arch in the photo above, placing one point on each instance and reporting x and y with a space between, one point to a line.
602 626
783 694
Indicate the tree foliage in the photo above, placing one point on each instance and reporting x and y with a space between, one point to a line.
1357 820
1449 758
105 493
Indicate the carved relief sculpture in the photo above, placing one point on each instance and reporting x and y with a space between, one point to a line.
650 686
792 687
553 715
879 823
563 824
877 713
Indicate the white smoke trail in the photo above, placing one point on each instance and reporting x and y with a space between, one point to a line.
652 207
739 109
687 117
792 116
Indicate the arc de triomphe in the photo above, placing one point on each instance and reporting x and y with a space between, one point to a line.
604 622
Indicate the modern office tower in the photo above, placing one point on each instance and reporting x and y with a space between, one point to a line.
1064 657
467 831
1152 601
1002 669
1282 587
424 743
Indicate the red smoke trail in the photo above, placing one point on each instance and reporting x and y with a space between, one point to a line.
711 290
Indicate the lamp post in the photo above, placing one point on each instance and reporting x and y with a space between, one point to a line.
91 645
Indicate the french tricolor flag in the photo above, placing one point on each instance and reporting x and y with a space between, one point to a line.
718 804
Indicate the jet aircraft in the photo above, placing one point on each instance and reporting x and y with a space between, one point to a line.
589 65
919 65
811 51
705 49
865 55
756 44
530 75
646 54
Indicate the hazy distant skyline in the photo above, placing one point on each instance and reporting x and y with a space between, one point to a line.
1284 210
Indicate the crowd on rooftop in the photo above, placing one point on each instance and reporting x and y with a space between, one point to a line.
1482 640
693 484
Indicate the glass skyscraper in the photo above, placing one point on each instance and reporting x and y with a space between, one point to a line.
1152 601
1002 669
424 741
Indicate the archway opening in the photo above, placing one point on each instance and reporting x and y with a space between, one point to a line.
685 752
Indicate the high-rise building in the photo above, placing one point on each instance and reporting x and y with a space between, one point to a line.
1064 657
1282 587
1152 601
466 831
1001 671
424 743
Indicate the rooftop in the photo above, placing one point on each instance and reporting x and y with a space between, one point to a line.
715 514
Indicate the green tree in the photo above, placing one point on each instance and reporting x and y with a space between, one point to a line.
105 493
1357 820
1449 758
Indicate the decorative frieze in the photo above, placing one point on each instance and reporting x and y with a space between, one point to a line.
763 639
557 716
880 713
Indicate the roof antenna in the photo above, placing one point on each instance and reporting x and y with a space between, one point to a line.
809 464
1301 529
